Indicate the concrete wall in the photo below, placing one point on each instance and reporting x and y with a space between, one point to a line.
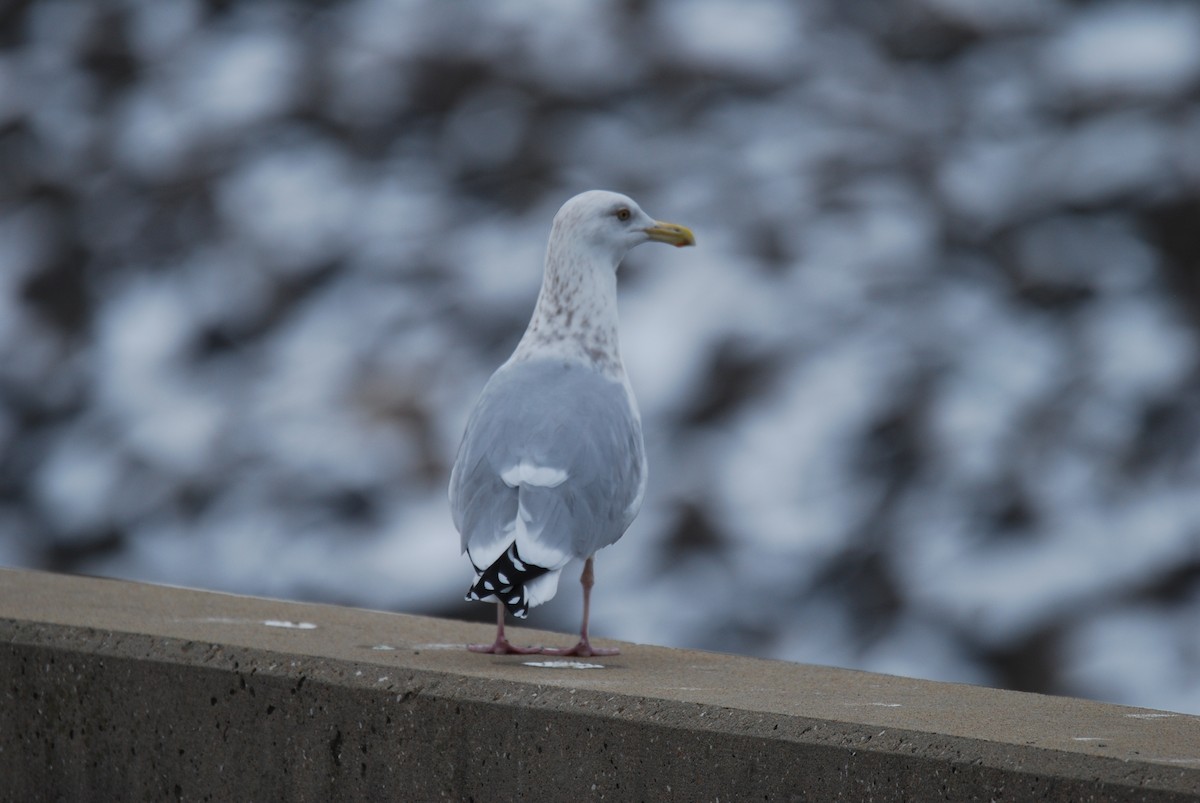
125 691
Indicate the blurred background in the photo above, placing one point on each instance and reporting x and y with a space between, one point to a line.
925 400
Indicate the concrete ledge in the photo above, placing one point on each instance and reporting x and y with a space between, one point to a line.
116 690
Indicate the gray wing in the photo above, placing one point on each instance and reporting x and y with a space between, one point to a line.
553 459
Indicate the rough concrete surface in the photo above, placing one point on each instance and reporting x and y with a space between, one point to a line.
123 691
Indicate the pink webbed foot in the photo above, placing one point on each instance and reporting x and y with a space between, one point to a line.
583 649
501 646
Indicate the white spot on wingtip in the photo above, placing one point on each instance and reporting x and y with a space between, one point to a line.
502 578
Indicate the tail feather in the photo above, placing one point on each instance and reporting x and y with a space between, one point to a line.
504 581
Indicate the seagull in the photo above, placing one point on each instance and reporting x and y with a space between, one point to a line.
552 465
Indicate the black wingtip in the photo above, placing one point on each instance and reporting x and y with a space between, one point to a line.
503 580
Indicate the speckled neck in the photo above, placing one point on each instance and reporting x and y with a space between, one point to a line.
576 313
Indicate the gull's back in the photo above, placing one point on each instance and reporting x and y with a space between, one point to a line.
553 451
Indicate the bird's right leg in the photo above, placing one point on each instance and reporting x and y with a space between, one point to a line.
584 648
501 646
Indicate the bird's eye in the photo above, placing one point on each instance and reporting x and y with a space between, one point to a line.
623 214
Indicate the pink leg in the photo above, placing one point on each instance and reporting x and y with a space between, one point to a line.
584 648
501 645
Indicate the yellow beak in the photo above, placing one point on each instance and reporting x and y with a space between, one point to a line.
671 234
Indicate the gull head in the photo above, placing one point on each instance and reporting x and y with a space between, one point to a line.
609 224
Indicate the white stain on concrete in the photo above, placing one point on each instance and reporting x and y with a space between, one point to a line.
878 705
225 620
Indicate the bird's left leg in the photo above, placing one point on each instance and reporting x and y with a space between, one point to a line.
501 646
584 648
